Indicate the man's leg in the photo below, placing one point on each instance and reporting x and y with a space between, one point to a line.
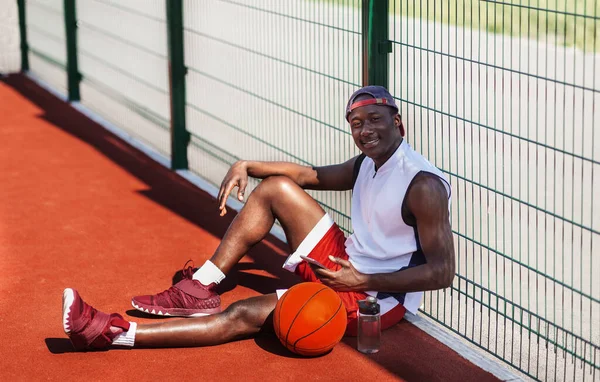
240 320
90 329
276 197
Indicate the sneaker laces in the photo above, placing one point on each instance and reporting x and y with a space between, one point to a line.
188 270
174 295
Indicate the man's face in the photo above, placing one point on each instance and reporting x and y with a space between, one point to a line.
375 129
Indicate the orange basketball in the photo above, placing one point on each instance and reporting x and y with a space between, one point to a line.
310 319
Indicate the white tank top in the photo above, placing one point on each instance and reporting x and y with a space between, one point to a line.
382 242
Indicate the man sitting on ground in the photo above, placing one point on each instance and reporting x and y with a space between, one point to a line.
401 245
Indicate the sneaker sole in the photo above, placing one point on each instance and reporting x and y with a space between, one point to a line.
160 311
68 299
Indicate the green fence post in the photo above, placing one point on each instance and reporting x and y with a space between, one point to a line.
180 137
73 76
23 32
376 43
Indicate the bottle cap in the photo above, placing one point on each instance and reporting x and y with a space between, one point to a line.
368 306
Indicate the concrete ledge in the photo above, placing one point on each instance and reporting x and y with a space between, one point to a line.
43 84
459 346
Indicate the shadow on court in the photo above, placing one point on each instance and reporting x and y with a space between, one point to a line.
165 188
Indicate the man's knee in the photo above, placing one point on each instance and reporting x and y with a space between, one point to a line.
276 186
244 316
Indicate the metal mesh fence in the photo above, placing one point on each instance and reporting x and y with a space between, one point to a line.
122 54
47 42
512 122
268 80
10 52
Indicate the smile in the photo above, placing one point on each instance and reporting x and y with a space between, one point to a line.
370 143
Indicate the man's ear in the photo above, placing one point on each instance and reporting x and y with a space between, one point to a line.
399 124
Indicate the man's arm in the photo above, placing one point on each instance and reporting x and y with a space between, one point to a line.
427 200
335 177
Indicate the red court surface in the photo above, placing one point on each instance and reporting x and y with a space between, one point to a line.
80 208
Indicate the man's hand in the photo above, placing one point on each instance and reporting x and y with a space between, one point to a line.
347 279
237 176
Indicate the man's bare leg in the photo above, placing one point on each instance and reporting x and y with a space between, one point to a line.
240 320
90 329
276 197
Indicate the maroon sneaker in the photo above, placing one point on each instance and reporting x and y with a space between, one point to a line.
187 298
86 327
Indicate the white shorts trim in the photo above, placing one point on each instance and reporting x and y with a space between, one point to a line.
280 293
309 243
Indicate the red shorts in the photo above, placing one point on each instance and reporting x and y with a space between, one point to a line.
328 239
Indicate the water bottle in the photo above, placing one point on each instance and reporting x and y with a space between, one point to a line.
369 326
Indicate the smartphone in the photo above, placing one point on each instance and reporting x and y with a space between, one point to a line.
313 262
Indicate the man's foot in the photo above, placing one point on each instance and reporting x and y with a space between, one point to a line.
86 327
187 298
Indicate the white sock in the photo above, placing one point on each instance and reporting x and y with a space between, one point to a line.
126 338
208 274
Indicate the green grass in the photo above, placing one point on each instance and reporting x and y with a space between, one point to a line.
562 22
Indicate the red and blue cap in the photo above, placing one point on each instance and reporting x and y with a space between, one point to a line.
380 95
